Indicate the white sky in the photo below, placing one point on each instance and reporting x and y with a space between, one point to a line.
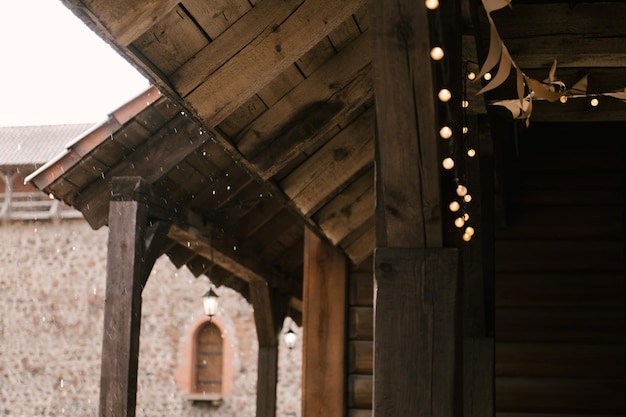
55 70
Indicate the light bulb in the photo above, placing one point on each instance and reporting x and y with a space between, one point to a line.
454 206
471 75
431 4
459 222
563 99
444 95
465 130
471 152
594 102
461 190
466 216
467 237
467 198
436 53
487 76
445 132
469 230
448 163
465 104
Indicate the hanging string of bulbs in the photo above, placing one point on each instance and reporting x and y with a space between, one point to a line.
455 161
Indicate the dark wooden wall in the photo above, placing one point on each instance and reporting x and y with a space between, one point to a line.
560 273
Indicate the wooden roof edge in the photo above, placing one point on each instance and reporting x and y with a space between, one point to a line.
76 149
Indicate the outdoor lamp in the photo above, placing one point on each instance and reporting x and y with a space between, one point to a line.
209 300
290 338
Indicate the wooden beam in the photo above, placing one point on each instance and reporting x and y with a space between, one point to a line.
267 329
267 56
227 254
324 326
126 273
407 152
478 377
580 35
415 358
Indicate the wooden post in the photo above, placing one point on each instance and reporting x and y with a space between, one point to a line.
324 329
126 272
417 296
267 334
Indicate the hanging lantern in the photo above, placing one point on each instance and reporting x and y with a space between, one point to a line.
290 338
210 302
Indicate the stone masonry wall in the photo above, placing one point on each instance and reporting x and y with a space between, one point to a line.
52 286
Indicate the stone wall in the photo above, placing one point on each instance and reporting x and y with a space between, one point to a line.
52 287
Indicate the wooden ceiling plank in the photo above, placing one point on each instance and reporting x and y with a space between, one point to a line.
349 209
341 85
172 41
315 58
216 16
125 20
245 114
280 86
263 18
267 56
177 140
347 32
318 179
574 34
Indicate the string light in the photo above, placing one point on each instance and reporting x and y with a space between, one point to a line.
487 76
594 102
445 132
448 163
467 198
471 152
436 53
444 95
465 130
563 99
431 4
467 237
465 104
459 222
461 190
454 206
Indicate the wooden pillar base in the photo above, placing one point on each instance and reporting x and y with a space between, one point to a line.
415 332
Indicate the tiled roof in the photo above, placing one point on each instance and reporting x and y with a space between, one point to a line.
22 145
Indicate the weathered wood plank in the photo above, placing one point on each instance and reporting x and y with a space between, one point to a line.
561 395
315 57
409 211
560 290
559 325
360 243
361 322
360 391
267 381
125 20
478 377
309 112
216 16
361 357
576 256
415 358
323 317
318 179
265 57
259 22
560 360
172 41
583 36
361 289
263 313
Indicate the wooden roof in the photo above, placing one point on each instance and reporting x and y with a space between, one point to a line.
267 118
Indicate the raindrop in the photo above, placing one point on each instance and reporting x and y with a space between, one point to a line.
19 146
261 195
94 290
175 130
228 187
102 175
182 112
203 153
62 383
43 318
213 192
188 244
234 247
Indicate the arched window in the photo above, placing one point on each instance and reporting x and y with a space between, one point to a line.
207 371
